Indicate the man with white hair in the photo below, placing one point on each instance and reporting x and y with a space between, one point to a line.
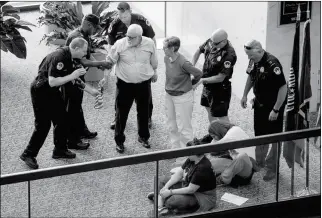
265 76
136 64
220 58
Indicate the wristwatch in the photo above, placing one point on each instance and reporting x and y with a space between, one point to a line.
276 111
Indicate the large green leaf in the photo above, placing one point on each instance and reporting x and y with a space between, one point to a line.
3 46
22 23
16 46
9 9
11 15
23 27
99 7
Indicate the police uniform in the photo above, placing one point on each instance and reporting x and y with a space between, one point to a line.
267 78
73 95
217 95
117 30
48 103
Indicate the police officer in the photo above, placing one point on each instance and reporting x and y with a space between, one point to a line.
220 58
74 95
55 70
118 28
265 76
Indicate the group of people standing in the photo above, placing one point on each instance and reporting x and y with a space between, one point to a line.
57 94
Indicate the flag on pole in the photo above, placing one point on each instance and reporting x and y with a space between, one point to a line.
292 106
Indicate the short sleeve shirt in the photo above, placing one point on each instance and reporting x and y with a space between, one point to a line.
218 61
57 64
117 29
267 77
200 174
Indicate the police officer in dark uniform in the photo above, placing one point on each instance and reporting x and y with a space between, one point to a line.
55 70
118 28
265 76
220 58
74 95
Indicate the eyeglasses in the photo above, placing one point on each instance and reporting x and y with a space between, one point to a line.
131 37
248 47
217 43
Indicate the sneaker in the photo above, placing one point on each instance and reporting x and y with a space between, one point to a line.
30 161
163 211
112 125
63 154
89 135
79 145
144 142
151 196
269 175
120 148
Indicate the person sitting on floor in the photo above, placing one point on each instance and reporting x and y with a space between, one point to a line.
231 168
191 188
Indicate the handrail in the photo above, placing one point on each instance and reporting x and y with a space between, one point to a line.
153 156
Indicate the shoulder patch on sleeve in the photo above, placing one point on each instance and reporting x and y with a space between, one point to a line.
227 64
60 66
277 70
147 22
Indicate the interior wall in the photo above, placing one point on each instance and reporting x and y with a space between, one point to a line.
279 42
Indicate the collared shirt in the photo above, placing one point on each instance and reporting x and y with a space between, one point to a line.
134 64
117 29
218 61
267 77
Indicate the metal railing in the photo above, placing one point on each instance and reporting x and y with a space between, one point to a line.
156 156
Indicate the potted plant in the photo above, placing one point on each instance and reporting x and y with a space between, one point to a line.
11 39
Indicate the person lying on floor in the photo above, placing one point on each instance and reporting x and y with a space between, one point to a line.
231 168
192 188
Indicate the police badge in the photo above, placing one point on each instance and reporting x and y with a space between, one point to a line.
60 66
262 70
219 58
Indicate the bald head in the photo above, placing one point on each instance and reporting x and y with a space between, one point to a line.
253 44
134 30
219 35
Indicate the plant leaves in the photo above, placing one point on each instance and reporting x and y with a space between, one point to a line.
12 15
9 9
99 7
22 22
16 46
3 46
23 27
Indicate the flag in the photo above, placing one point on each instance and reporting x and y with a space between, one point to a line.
305 92
292 107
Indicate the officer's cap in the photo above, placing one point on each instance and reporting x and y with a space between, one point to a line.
123 6
93 19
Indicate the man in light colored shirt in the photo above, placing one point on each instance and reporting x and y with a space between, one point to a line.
136 64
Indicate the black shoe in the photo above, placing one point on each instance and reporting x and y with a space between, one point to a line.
63 154
144 142
112 125
269 175
150 123
151 196
30 161
79 145
88 135
206 139
120 148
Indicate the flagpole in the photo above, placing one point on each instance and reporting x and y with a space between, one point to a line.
298 19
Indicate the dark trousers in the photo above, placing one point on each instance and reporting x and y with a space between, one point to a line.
150 106
126 93
73 97
48 108
263 126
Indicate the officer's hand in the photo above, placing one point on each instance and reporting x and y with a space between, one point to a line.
272 116
78 72
154 77
95 92
197 84
243 102
107 65
102 82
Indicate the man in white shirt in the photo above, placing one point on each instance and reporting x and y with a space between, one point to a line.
136 64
